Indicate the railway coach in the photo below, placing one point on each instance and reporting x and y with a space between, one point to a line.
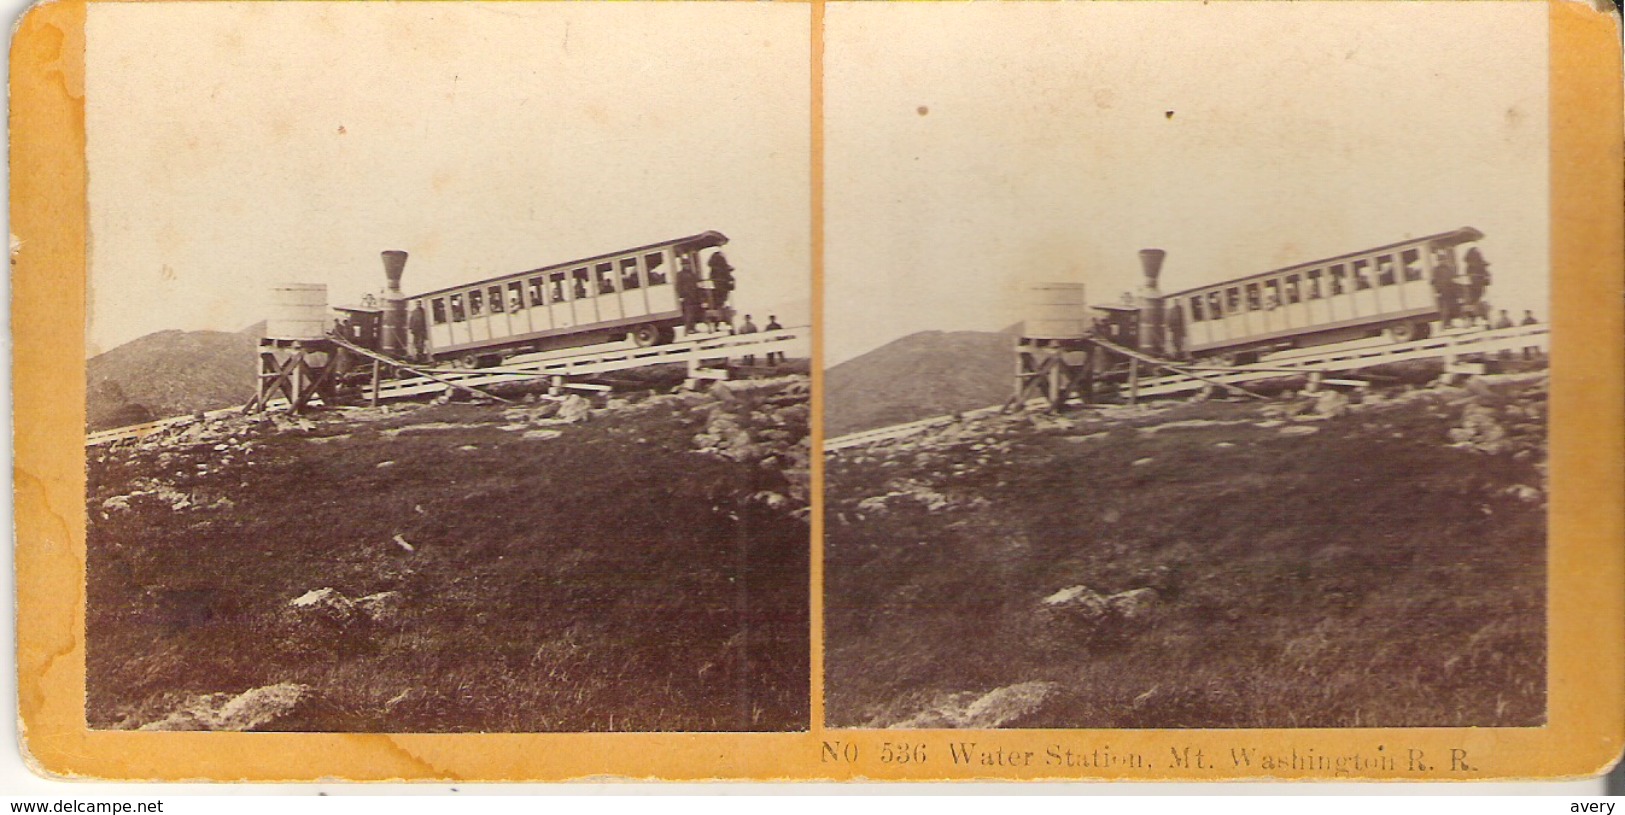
634 294
1401 289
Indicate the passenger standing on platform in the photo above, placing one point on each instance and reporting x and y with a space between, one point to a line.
1530 351
688 295
722 280
1446 289
417 326
1478 281
747 327
773 325
1176 331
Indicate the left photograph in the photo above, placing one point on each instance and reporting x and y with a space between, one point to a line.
448 367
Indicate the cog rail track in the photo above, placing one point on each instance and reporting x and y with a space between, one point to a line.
563 365
1343 357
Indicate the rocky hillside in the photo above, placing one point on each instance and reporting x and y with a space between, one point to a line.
1377 561
630 562
930 373
170 373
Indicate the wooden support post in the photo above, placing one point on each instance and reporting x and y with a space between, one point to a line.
296 383
1087 391
1021 375
1133 381
262 369
1051 370
374 400
1057 391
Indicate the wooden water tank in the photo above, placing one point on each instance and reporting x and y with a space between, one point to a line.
1056 311
298 311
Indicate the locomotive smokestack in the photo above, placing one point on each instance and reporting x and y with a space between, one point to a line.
1151 314
394 339
1151 261
394 266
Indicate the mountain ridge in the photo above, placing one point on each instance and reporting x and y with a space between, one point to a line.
924 374
168 373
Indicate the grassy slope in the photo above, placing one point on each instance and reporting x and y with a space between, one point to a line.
1365 575
601 580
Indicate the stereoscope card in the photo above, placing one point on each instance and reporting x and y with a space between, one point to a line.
804 391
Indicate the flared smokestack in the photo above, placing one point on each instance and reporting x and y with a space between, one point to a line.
1151 261
1151 314
394 266
394 340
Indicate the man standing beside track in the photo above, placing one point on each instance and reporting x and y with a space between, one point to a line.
1530 351
773 325
1504 321
748 327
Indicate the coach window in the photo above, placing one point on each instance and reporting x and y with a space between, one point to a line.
495 295
1197 314
1232 300
1385 271
629 274
438 306
516 296
1292 290
1313 287
578 282
606 278
1360 270
556 288
1338 279
1215 308
1272 294
1252 297
535 288
1411 261
457 308
654 265
476 303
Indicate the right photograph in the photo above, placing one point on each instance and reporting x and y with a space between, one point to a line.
1185 365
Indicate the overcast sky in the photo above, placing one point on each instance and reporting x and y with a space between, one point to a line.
973 147
970 148
235 145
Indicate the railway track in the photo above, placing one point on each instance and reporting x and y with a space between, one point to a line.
1343 357
562 365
